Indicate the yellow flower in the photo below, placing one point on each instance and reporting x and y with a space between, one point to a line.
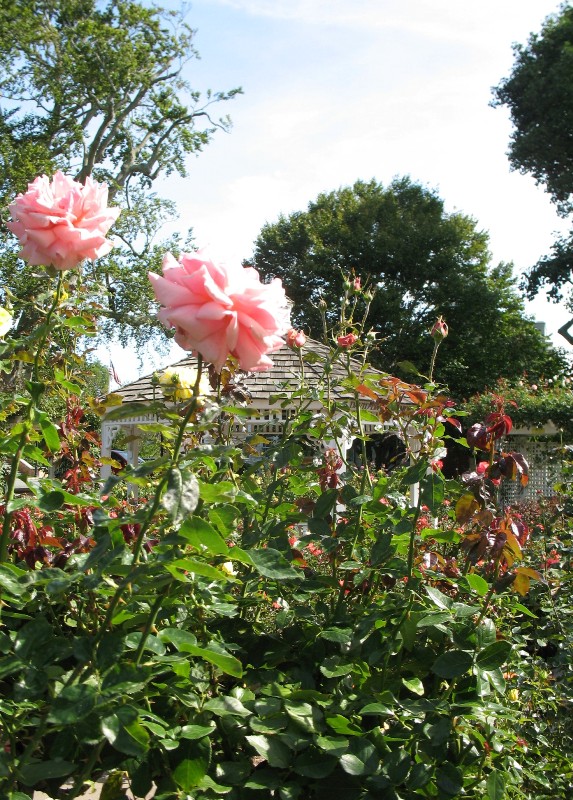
178 383
5 321
227 567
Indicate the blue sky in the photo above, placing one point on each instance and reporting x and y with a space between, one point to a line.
341 90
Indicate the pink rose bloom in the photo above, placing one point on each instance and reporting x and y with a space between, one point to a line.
295 339
347 341
219 311
61 222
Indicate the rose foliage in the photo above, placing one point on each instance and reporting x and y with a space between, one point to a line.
256 617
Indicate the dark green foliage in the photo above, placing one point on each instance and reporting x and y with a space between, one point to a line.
539 96
97 89
292 627
421 263
534 407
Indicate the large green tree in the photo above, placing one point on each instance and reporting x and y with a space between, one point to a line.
422 262
539 96
98 88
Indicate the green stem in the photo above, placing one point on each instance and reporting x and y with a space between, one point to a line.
366 479
15 465
489 595
49 315
150 622
174 462
433 360
87 771
412 543
153 507
9 496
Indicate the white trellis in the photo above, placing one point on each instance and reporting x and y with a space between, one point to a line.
544 470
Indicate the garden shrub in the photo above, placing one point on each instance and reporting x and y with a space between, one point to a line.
294 627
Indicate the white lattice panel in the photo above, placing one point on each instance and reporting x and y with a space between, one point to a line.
543 470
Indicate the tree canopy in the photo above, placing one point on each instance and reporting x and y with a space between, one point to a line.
422 262
539 96
98 89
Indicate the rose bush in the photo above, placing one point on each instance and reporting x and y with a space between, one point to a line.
296 625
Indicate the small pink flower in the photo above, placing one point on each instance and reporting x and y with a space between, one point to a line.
347 341
61 222
295 339
356 284
219 311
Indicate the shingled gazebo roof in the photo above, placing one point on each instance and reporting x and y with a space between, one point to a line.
260 385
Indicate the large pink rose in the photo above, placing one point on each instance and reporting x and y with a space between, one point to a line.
218 311
61 222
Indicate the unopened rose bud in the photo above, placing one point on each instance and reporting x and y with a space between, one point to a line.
295 339
347 341
439 330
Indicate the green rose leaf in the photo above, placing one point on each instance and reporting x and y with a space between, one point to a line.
272 564
196 731
203 536
182 568
182 494
314 764
227 707
452 664
494 655
362 761
275 752
36 771
478 584
73 704
189 772
124 732
449 780
495 785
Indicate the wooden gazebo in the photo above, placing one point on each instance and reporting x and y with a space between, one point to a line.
265 418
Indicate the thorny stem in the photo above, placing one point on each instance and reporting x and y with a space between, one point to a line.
437 343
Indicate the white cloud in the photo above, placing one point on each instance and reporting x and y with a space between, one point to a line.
447 20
